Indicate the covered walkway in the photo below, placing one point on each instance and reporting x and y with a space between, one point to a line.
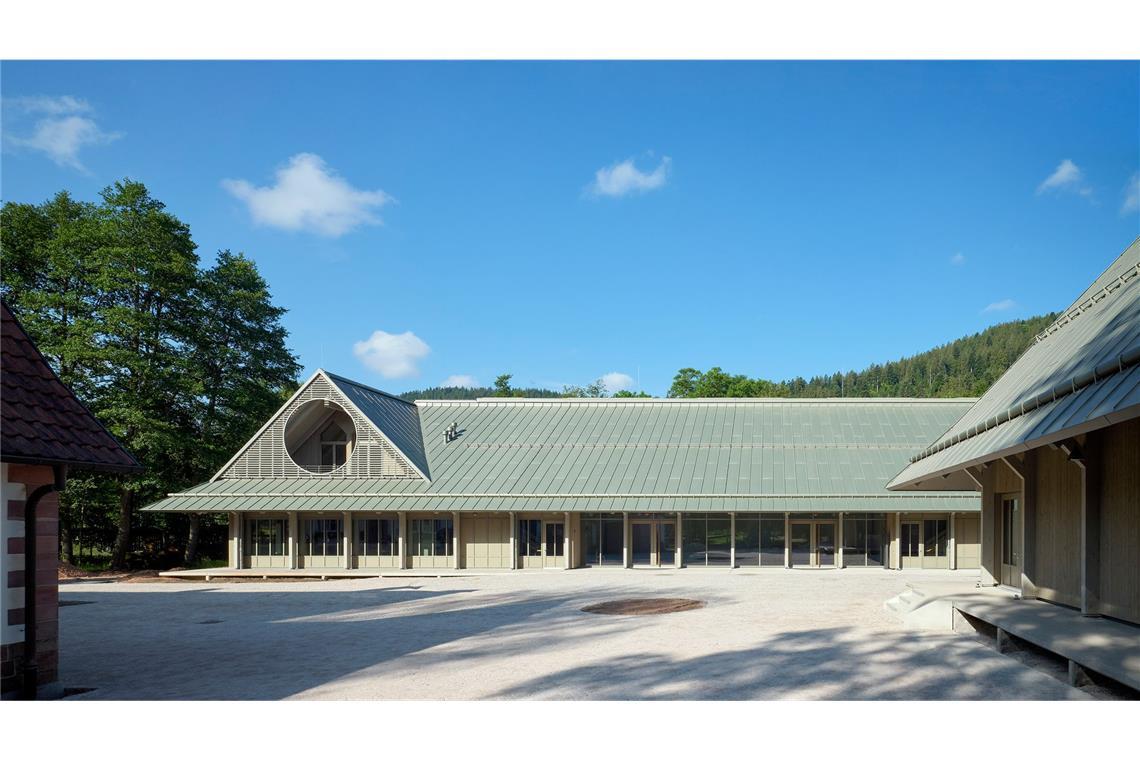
1090 644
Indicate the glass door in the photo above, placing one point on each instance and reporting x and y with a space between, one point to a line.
666 542
910 544
642 539
1010 542
801 544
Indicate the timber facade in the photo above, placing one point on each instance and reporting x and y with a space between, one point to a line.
348 477
1054 449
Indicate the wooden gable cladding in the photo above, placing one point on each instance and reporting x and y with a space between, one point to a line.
266 456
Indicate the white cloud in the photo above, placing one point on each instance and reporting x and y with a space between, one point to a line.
958 259
1068 177
624 178
1131 195
392 355
63 132
460 381
311 197
1003 305
616 381
53 106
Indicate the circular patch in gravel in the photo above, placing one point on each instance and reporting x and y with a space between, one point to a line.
650 606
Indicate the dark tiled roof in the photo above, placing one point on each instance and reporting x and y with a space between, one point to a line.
41 420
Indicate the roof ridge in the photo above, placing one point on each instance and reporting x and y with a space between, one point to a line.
708 400
1080 307
1119 363
359 384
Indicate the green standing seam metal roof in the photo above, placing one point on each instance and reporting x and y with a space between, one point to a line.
743 455
396 418
1080 374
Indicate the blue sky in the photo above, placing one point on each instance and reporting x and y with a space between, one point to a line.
565 221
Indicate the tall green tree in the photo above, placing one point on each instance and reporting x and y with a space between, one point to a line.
503 385
239 361
179 363
145 274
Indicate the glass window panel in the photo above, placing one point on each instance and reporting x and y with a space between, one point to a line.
855 542
423 538
443 536
772 542
555 532
612 542
747 540
530 538
936 533
641 540
801 543
667 542
719 540
389 537
876 540
591 540
693 537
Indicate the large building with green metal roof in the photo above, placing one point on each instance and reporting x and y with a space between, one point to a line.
348 477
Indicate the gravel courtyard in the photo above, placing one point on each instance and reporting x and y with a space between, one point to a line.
761 635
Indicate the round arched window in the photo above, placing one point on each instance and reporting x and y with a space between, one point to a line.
320 436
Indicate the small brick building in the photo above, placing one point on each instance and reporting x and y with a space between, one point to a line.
44 432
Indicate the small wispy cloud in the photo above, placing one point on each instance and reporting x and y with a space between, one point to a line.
617 381
1003 305
624 178
64 128
392 355
309 196
1131 202
460 381
958 259
1067 177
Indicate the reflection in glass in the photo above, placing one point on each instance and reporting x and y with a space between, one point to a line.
801 544
825 543
612 542
719 541
667 542
693 536
555 532
748 541
641 536
772 542
591 541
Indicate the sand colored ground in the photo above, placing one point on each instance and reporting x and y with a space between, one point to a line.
760 635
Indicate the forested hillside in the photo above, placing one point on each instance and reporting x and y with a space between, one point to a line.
964 367
451 394
502 388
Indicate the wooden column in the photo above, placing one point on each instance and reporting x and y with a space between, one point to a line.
455 544
839 543
678 559
346 539
241 539
566 541
896 542
514 541
731 540
402 539
1090 465
235 540
787 540
952 545
626 557
294 541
